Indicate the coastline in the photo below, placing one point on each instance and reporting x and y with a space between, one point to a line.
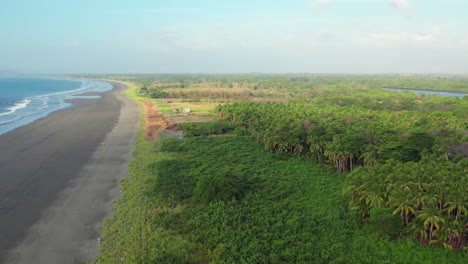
61 174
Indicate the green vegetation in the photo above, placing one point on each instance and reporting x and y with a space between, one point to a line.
343 172
222 199
430 196
354 133
411 161
232 87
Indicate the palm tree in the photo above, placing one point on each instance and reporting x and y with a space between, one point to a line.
375 191
374 199
457 205
419 197
399 200
450 231
430 217
315 147
369 158
350 156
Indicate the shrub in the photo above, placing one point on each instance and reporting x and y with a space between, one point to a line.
383 222
222 186
159 94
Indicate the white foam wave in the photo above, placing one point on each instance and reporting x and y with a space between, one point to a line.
44 105
23 115
83 87
11 120
17 106
43 98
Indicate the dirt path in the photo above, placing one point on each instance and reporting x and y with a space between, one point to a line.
155 121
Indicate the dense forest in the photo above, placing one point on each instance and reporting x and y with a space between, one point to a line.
299 169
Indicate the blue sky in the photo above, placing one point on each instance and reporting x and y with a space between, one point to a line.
319 36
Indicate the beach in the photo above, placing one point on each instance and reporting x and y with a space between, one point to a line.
59 176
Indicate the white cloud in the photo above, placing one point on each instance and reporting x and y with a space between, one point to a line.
400 4
423 37
320 4
405 8
436 29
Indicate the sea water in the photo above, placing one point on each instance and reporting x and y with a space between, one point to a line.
24 100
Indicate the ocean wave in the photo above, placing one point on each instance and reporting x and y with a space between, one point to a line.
44 105
43 98
40 105
17 106
11 120
82 87
37 110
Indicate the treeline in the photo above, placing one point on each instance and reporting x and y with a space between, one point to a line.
295 84
346 136
244 86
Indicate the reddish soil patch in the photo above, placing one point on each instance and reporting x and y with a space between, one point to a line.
173 127
155 121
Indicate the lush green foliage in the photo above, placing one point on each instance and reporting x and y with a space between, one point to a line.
389 144
222 199
383 222
355 133
431 196
158 94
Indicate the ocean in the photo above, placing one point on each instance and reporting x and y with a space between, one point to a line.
24 100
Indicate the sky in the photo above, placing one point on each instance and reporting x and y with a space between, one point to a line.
215 36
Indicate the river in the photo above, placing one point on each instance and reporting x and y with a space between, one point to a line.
441 93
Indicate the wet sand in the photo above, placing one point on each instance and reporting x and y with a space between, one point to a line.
59 176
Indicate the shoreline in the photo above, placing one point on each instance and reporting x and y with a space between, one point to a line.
62 174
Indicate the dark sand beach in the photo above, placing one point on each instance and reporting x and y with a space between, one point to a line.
59 176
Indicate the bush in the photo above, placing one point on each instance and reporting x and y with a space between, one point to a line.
383 222
220 127
159 94
192 130
223 186
240 131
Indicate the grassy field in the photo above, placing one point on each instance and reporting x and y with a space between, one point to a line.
166 106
